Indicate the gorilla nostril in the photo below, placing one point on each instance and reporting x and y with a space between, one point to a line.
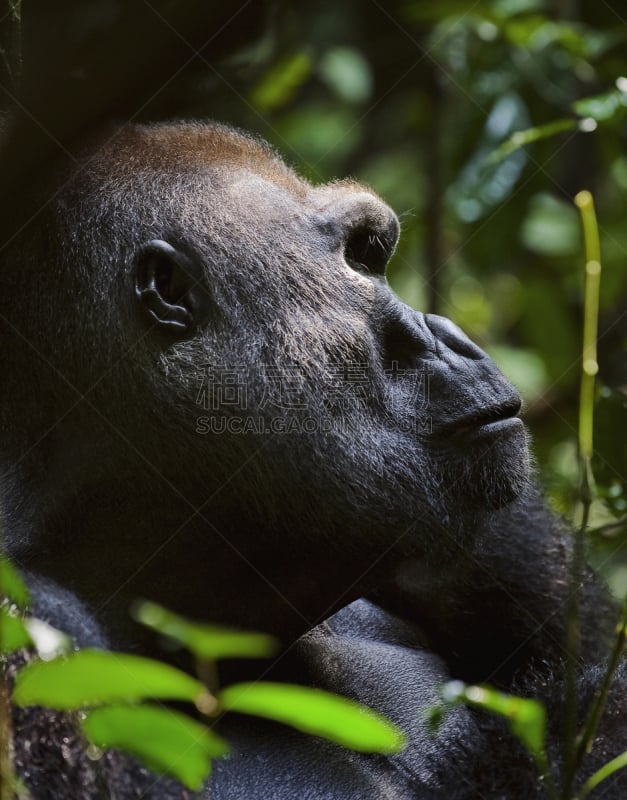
368 250
369 229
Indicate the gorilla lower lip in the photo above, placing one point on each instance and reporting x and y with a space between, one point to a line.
501 425
493 428
492 420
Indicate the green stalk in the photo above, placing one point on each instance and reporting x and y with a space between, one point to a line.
620 762
586 736
590 366
573 750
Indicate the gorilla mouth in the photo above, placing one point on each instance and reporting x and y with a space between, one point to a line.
495 419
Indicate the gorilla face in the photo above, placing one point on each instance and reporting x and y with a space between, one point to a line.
282 288
231 328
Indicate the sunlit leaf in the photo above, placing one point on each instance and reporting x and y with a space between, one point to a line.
280 83
551 226
527 718
601 107
347 72
483 183
321 132
522 138
316 712
522 30
13 633
11 584
166 741
92 677
537 33
511 8
205 641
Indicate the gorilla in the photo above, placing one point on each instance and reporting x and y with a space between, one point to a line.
212 398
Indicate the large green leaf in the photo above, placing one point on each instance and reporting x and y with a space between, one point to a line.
316 712
166 741
94 677
205 641
13 633
11 584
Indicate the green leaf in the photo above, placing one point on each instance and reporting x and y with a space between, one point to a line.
527 718
205 641
281 82
348 73
551 227
601 107
13 633
165 741
522 138
484 182
92 677
11 584
316 712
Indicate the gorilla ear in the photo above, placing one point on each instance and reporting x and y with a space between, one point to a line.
167 286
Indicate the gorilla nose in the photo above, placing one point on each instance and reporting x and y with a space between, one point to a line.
410 335
370 231
453 337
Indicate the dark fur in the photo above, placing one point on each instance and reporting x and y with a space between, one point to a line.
111 491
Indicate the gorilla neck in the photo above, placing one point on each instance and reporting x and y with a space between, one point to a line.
126 541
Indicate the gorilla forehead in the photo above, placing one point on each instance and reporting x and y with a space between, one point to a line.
181 162
182 147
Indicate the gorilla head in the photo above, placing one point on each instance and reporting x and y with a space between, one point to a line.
214 399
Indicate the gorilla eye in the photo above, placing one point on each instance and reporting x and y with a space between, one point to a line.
366 251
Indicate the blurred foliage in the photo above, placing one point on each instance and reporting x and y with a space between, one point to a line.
478 123
526 717
115 693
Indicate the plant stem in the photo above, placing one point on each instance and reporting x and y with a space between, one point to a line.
573 751
586 736
590 324
6 764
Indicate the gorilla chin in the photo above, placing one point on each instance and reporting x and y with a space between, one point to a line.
485 468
